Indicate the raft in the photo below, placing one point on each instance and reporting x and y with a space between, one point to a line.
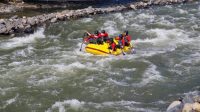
103 49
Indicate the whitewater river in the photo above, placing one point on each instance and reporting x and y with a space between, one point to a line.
46 72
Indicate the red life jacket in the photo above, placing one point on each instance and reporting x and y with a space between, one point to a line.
97 36
113 46
123 41
117 38
128 38
104 34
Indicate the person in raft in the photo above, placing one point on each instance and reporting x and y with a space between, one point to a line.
104 35
94 38
98 37
113 45
126 39
119 40
89 38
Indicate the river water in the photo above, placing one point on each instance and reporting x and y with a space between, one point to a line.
46 72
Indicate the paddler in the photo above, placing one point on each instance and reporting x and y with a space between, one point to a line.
98 37
90 38
104 35
126 39
112 45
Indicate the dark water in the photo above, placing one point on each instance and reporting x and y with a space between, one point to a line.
45 71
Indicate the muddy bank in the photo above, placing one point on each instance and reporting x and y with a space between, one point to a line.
27 24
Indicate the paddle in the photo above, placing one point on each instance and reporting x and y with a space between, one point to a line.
123 51
83 41
81 46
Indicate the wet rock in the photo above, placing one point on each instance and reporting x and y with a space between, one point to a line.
176 106
14 17
133 7
2 28
2 21
53 20
29 30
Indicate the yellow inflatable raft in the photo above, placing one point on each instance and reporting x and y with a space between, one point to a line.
102 49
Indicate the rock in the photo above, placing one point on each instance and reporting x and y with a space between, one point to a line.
53 20
24 21
60 16
14 17
15 23
187 107
2 28
10 31
176 106
21 26
30 21
197 99
29 30
132 6
27 26
9 26
2 21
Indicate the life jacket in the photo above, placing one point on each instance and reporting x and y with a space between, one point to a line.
113 46
128 38
117 38
97 36
104 35
123 40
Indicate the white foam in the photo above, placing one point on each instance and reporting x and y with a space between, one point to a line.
4 90
63 67
166 38
10 101
75 65
150 76
23 53
73 104
45 81
145 16
120 83
192 59
21 41
165 22
126 105
121 103
129 70
110 27
181 11
89 80
122 19
86 20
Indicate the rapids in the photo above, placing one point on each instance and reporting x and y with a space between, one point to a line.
46 72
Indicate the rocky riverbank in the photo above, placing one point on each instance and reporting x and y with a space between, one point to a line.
16 24
190 103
